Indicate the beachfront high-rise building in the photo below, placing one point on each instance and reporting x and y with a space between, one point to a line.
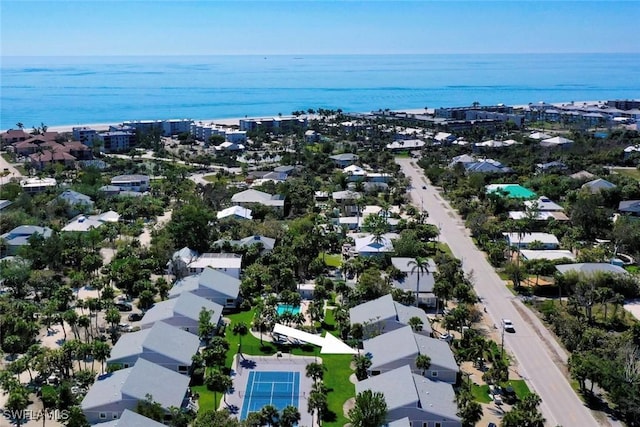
86 135
273 124
116 141
167 127
202 132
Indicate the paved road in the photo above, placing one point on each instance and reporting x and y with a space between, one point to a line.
535 354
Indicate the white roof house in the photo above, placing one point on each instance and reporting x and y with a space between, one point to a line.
544 204
82 223
259 197
539 136
549 241
406 144
354 170
366 244
551 254
230 264
556 141
237 212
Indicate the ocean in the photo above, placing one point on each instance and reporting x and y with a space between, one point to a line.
78 90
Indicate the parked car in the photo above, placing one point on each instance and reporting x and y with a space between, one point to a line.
124 306
134 317
508 325
446 337
424 187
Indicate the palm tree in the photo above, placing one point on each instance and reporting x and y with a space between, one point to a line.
315 371
423 362
270 415
370 410
101 352
362 365
20 125
240 329
219 383
289 416
416 323
317 404
420 266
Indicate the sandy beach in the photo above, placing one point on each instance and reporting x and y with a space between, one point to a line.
231 121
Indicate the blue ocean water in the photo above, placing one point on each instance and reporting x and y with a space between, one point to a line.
76 90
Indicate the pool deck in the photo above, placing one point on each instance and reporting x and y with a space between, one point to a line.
241 368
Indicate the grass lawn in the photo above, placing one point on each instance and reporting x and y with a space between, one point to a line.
336 377
331 260
480 393
443 247
402 155
519 386
632 173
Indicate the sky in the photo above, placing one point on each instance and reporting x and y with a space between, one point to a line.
208 27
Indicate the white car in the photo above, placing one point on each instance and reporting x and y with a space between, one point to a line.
508 325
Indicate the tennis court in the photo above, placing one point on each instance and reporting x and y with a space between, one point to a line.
277 388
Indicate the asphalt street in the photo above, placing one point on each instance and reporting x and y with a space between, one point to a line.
533 349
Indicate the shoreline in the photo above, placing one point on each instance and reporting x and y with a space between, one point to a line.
230 121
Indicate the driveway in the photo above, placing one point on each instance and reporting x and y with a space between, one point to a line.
541 360
5 166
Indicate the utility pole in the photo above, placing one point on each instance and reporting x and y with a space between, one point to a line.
502 343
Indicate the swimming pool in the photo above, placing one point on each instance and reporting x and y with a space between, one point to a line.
286 308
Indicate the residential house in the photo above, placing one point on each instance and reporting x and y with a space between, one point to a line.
589 268
355 173
5 204
162 344
37 185
405 144
12 136
180 261
551 254
539 215
543 204
598 185
230 264
82 223
230 146
424 402
366 245
522 241
407 345
132 419
631 150
311 136
556 141
383 315
630 207
47 158
19 237
77 202
409 281
539 136
182 312
235 212
582 176
444 138
266 243
212 285
249 197
138 183
551 167
347 200
112 394
345 159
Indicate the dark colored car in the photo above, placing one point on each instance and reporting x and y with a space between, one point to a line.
134 317
424 187
124 306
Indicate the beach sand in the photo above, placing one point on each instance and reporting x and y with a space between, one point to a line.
236 120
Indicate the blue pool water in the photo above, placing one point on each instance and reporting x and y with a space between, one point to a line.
285 308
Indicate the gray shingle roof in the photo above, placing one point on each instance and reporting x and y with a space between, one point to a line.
73 197
132 419
401 388
591 268
395 385
167 387
410 281
381 308
391 346
437 350
187 305
220 282
406 312
630 206
161 338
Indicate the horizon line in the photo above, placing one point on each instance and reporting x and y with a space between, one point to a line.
317 54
